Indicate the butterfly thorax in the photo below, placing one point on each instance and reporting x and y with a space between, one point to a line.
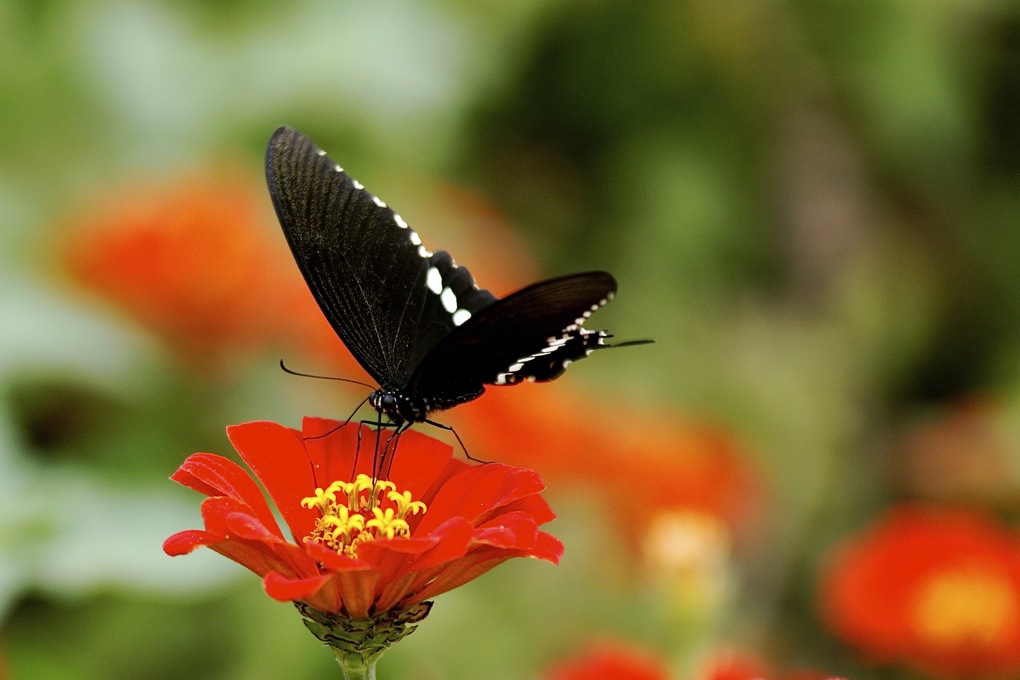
402 408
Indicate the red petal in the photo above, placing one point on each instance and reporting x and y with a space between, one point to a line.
534 505
215 475
548 548
358 591
475 491
246 527
216 512
333 561
419 462
279 587
184 542
454 540
231 524
393 560
458 573
256 557
277 457
514 530
397 593
332 446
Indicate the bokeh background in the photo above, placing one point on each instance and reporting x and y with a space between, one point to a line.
811 206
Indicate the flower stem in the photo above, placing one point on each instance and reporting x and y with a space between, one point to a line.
355 666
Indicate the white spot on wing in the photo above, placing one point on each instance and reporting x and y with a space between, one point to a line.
449 300
358 185
378 202
400 221
460 316
423 252
415 239
321 152
434 280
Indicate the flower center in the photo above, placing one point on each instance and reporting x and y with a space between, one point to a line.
972 606
363 510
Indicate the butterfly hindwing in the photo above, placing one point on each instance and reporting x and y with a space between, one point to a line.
388 298
532 334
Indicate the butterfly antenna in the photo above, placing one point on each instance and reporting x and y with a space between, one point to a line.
324 377
343 424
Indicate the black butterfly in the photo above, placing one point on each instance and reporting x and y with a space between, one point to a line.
415 320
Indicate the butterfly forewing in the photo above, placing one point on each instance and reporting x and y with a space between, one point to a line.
388 298
531 334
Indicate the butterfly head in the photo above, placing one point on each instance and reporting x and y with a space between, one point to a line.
398 407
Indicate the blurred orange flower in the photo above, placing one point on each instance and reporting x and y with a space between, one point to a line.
680 465
199 263
610 661
936 589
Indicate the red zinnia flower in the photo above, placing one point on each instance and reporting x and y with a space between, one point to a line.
361 549
935 589
610 661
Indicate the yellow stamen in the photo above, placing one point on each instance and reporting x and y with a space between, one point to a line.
404 503
369 510
386 523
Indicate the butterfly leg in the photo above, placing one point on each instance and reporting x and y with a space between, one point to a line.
382 458
391 454
460 441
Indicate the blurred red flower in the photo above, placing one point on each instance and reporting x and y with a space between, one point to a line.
936 589
361 549
610 661
199 263
739 665
732 665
